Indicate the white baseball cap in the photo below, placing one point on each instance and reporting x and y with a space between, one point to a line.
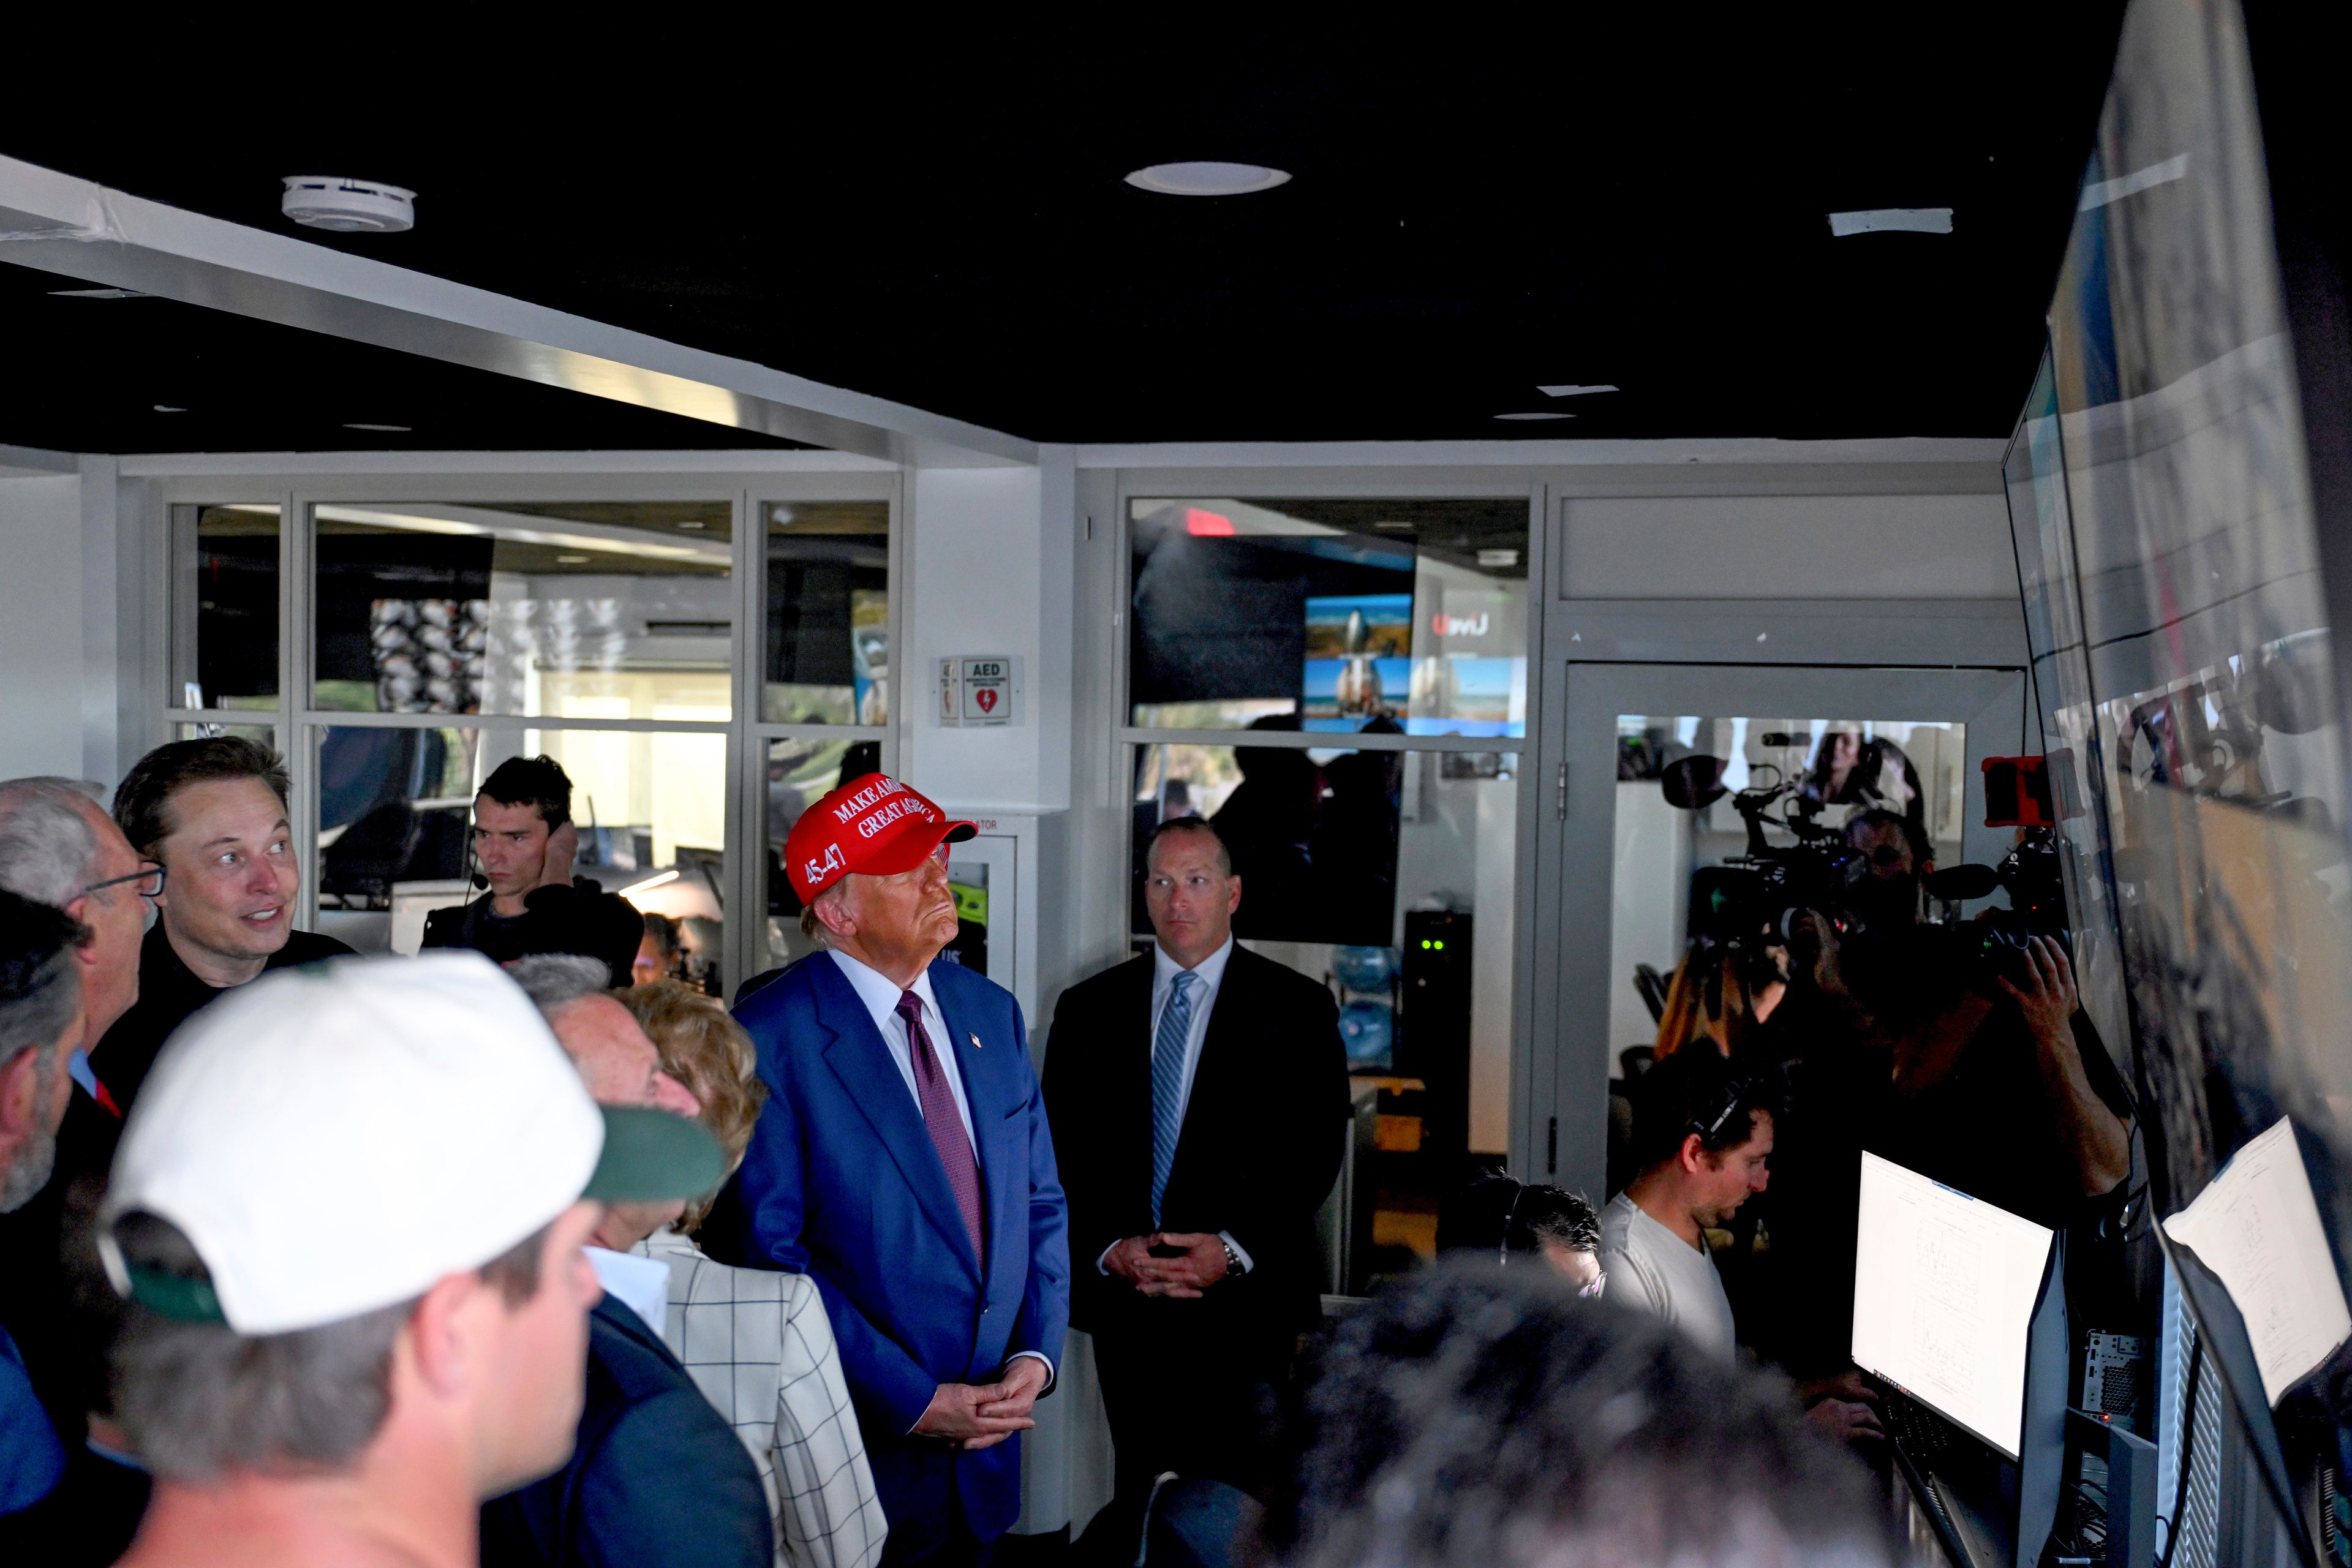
335 1138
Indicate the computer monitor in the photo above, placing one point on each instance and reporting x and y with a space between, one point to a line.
1945 1291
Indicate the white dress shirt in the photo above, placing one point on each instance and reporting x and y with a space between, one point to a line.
1207 976
639 1282
881 995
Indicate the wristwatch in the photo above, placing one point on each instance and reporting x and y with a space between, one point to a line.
1232 1259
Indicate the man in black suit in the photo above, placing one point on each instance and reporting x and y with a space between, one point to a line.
1197 1097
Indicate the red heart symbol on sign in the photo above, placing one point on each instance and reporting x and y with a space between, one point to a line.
986 699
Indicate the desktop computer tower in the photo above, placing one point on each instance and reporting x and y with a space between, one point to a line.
1433 1029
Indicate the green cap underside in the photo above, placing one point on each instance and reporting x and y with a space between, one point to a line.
175 1296
652 1156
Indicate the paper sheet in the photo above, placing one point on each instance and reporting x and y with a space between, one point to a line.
2256 1226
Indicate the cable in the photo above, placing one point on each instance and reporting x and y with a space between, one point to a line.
2187 1443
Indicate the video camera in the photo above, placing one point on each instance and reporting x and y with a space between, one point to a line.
1754 899
1995 941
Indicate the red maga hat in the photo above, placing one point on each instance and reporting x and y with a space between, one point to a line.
874 825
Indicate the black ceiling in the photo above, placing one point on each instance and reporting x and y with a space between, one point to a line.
1640 202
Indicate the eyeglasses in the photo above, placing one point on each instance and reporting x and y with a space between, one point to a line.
149 880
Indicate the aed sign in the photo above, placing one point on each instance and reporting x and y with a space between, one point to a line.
979 692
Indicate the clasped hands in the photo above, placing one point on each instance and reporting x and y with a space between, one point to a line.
1201 1265
982 1415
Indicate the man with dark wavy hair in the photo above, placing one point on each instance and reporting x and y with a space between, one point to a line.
523 846
213 812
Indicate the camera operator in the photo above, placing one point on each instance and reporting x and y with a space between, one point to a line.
1993 1091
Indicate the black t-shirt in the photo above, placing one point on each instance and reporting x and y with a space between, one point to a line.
581 919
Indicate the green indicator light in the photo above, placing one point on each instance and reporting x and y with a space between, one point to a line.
1440 946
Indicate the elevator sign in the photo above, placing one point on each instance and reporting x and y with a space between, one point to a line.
979 692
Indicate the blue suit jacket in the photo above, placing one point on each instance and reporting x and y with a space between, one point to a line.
841 1183
655 1476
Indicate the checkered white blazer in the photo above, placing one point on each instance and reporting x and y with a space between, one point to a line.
759 1347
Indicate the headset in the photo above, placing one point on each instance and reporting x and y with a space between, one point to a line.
1510 1218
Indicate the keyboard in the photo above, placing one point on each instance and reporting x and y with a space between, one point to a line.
1932 1443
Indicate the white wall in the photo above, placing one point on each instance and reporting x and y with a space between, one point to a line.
40 627
989 566
1788 547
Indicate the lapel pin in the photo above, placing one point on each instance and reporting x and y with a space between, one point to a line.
975 1042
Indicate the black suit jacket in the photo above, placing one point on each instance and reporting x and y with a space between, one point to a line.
1259 1150
655 1478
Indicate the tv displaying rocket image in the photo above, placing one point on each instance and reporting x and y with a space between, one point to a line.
1359 658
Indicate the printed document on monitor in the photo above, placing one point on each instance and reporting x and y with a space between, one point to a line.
2257 1227
1945 1286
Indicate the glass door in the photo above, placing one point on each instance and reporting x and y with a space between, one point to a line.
1838 758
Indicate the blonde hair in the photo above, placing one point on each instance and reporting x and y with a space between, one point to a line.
1710 999
708 1052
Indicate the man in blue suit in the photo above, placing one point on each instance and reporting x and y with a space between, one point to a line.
903 1162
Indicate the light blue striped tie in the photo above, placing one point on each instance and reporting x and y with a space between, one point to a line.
1168 1085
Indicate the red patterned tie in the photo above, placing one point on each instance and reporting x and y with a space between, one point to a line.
939 1117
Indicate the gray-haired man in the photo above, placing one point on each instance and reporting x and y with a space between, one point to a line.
41 1024
655 1476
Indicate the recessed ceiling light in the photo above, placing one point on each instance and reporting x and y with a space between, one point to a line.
388 429
689 524
1207 179
1394 527
1572 391
572 561
1892 220
1498 558
1544 414
167 408
342 205
96 294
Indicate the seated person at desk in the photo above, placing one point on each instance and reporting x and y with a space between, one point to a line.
524 839
1498 1218
1703 1143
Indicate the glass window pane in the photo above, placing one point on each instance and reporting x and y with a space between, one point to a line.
799 771
829 635
582 610
1346 615
261 735
224 607
396 807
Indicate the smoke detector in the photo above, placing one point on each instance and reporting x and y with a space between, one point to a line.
349 207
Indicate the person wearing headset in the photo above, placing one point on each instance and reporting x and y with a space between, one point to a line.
1517 1222
523 843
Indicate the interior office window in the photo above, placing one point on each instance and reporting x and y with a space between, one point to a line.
261 734
224 607
798 771
395 812
1389 877
828 632
1402 616
580 610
